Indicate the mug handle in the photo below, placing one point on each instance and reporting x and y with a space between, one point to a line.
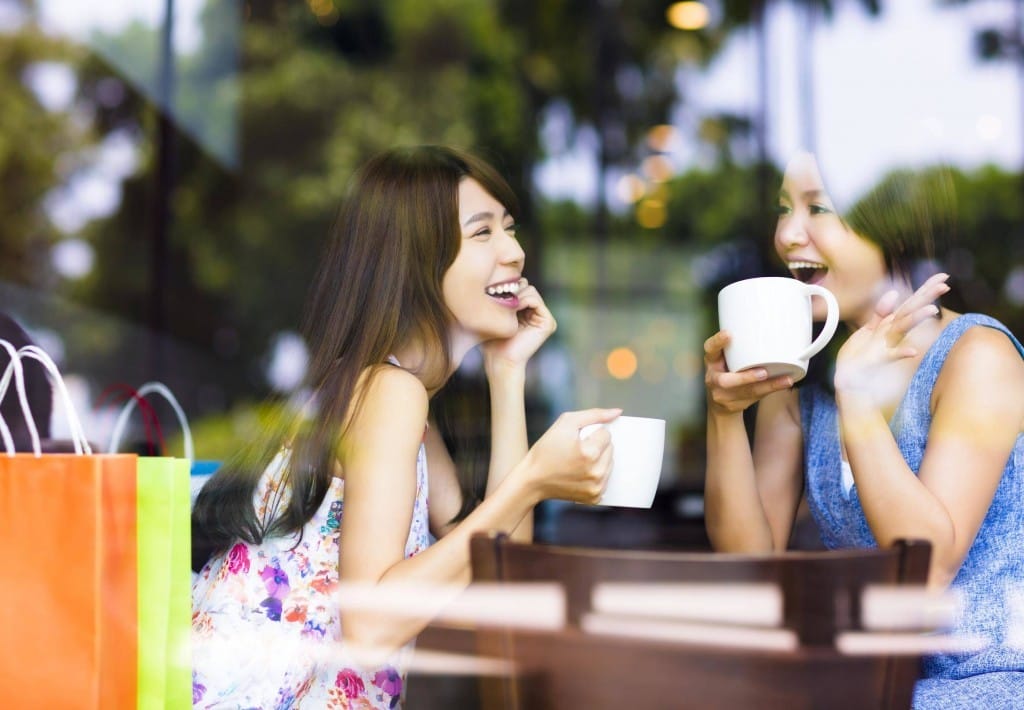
831 320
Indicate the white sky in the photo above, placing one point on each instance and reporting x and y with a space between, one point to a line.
79 19
900 89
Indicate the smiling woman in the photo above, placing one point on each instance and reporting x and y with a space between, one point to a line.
422 266
488 270
918 435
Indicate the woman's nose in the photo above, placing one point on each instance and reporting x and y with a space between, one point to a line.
512 251
791 232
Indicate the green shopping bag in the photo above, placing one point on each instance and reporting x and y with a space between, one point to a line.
165 601
164 561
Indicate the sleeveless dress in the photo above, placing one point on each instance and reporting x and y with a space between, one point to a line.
265 630
990 582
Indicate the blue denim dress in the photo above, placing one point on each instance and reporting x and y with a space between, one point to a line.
992 573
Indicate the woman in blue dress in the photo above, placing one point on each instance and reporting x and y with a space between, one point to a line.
917 434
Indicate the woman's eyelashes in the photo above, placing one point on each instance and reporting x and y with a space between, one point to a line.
485 232
782 209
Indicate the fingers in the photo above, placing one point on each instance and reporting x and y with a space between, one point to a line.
886 305
715 346
529 296
532 310
603 468
918 308
903 324
931 289
739 398
595 476
732 380
592 443
582 418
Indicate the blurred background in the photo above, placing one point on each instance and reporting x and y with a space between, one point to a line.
169 169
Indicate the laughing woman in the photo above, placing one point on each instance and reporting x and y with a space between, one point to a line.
423 265
918 434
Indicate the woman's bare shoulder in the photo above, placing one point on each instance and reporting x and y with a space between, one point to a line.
390 399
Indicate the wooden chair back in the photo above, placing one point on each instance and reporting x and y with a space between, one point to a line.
821 596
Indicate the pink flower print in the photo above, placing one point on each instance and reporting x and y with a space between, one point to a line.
238 559
388 680
350 682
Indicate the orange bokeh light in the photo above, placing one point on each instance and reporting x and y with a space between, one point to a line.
688 15
621 363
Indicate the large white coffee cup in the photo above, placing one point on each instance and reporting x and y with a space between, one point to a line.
769 321
638 445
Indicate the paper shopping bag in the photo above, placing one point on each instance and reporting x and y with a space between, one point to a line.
165 605
119 592
67 537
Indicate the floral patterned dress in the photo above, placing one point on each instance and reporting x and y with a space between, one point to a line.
266 632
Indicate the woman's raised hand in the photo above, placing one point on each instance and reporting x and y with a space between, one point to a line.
732 392
536 324
881 341
563 465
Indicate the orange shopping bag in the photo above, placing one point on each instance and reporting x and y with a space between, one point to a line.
67 543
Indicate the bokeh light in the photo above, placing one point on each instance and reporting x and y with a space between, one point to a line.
662 138
621 363
630 188
688 15
651 214
658 168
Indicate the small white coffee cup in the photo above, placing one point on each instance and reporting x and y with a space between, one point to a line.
638 447
769 320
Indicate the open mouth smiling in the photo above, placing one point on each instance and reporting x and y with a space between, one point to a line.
810 272
506 293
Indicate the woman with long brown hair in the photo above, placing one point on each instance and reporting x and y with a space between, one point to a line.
422 266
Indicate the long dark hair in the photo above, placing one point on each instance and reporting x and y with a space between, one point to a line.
378 286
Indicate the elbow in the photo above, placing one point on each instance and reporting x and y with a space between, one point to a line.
736 539
369 638
945 560
737 542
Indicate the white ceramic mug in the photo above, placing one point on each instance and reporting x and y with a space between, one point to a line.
638 445
770 322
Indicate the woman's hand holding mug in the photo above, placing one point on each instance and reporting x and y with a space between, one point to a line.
563 465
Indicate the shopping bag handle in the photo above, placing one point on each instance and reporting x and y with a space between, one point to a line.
14 368
153 388
74 423
150 421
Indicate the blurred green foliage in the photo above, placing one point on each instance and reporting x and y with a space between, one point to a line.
297 94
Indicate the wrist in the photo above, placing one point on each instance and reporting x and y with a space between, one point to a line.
500 371
522 482
854 398
723 417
